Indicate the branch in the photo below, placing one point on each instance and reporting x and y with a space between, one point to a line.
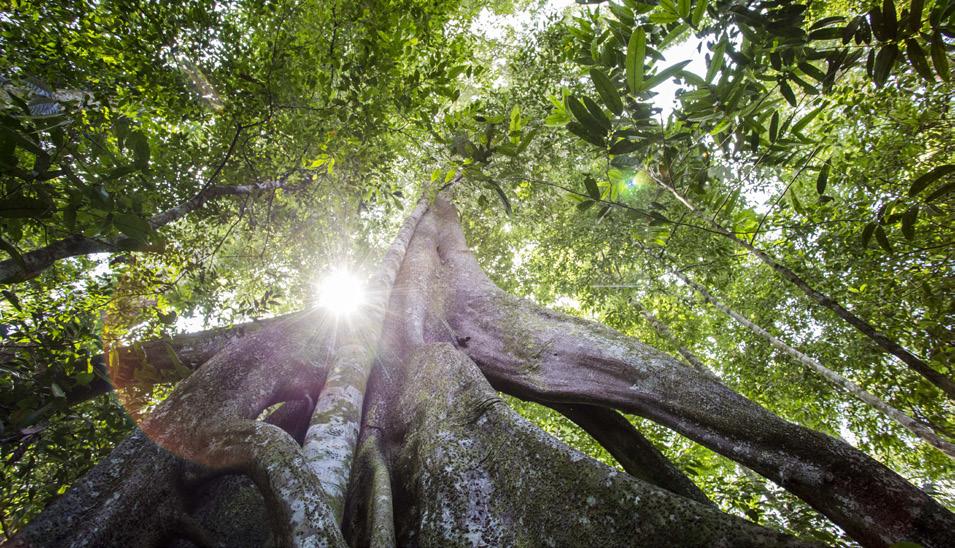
571 361
38 260
940 380
631 449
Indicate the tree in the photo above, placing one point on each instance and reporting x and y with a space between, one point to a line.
436 456
166 165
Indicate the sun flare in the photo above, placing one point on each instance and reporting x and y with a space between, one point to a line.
341 292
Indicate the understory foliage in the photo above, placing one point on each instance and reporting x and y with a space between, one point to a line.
204 163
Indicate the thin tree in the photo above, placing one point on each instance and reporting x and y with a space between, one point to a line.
919 429
944 383
388 430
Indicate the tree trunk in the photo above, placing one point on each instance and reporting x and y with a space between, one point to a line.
409 444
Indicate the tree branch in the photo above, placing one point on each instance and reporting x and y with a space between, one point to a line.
631 449
38 260
943 382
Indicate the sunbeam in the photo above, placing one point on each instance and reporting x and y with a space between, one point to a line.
341 292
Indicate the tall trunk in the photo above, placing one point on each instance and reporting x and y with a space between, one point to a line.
333 433
437 458
944 383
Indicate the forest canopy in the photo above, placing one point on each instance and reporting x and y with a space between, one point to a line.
762 189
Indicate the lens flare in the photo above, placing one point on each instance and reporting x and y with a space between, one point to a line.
341 292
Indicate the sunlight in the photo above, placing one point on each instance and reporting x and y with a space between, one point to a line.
341 292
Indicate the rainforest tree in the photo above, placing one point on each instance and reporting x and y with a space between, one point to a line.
168 166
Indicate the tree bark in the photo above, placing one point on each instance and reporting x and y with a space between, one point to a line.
540 355
631 449
479 473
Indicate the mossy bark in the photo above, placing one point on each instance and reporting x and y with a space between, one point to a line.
480 475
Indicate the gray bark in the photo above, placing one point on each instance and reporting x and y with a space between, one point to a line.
467 491
635 453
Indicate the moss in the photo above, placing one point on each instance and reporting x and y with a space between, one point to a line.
480 474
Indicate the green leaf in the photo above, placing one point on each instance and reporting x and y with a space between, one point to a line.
823 179
883 63
875 23
57 391
774 127
917 59
787 92
140 146
665 74
579 130
812 71
908 222
716 62
585 205
683 8
607 90
672 36
598 114
12 299
500 194
883 239
922 182
514 124
624 146
557 117
889 22
797 206
592 189
698 12
804 121
636 52
942 191
593 128
915 16
133 226
940 58
867 233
